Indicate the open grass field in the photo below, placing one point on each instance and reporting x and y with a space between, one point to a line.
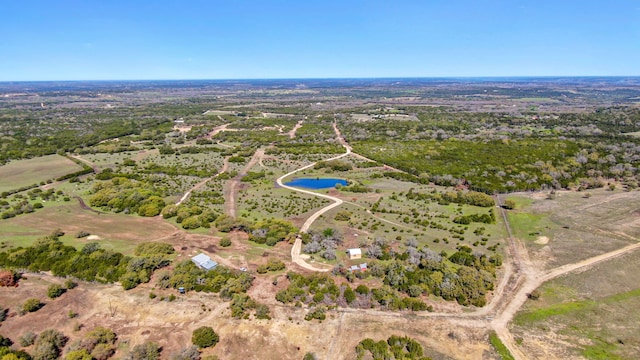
575 226
115 231
107 160
17 174
589 314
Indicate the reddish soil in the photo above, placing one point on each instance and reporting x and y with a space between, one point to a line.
8 278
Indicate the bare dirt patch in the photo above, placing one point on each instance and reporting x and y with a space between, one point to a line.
292 133
542 240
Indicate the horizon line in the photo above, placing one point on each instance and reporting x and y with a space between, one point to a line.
336 78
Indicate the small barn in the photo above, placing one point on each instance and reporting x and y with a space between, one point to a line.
361 267
204 262
354 253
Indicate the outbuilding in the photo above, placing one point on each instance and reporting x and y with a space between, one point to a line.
354 253
361 267
204 262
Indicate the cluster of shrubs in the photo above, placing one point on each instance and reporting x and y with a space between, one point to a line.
91 263
126 195
324 242
396 347
251 176
46 345
315 288
389 298
354 187
317 313
218 280
320 289
100 344
473 198
242 304
334 165
271 265
190 217
272 231
489 218
463 276
22 204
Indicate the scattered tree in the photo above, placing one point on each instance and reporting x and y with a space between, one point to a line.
27 339
188 353
32 305
146 351
49 344
55 291
204 337
509 204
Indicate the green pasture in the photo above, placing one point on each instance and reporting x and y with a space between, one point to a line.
395 224
17 174
116 231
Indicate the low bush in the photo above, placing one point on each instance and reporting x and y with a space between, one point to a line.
204 337
32 305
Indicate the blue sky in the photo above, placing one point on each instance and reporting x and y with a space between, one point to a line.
239 39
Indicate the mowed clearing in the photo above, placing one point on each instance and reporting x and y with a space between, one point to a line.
116 231
17 174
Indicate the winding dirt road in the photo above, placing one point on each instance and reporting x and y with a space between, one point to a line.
297 246
518 280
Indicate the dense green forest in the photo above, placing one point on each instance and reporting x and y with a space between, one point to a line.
492 153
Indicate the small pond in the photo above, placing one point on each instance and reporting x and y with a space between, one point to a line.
316 183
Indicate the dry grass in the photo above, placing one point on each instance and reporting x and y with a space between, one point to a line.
117 231
577 227
136 318
586 314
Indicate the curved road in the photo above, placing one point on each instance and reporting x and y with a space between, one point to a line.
519 279
297 246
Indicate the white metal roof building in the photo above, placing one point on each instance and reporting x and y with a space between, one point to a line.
204 262
354 253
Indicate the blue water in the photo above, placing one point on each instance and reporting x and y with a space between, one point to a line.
322 183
